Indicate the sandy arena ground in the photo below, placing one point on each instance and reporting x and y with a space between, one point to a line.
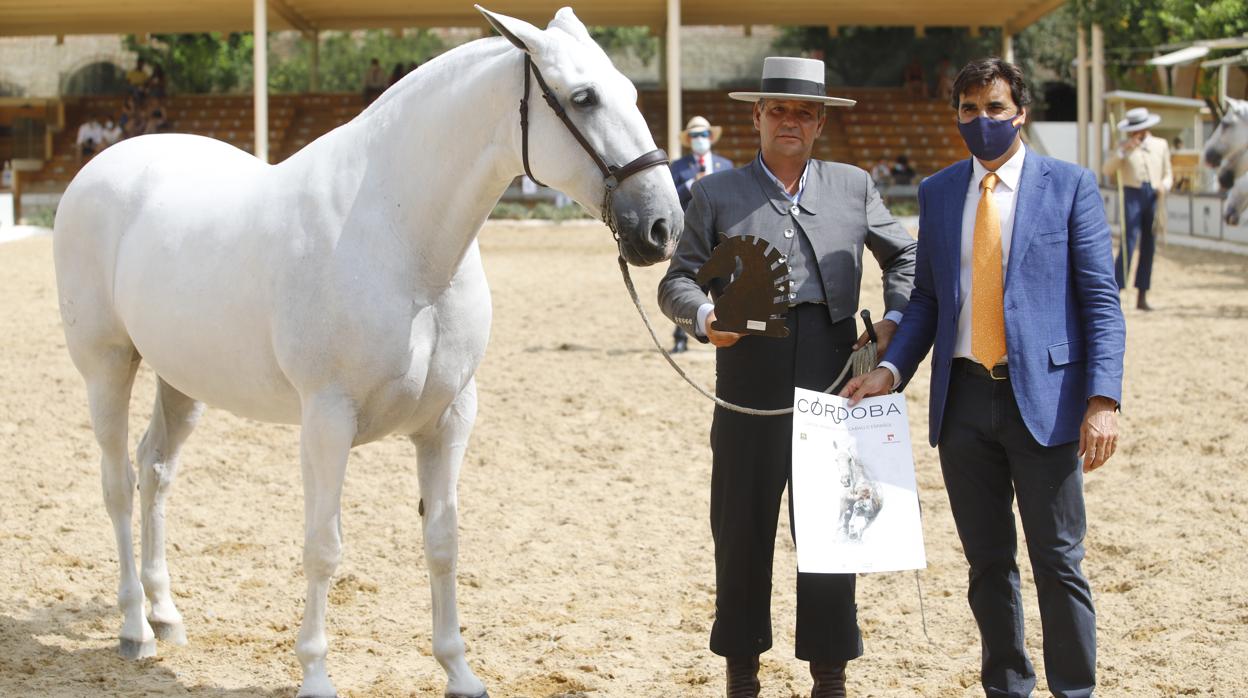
585 553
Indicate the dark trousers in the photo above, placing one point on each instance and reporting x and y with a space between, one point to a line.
679 335
988 458
751 467
1139 206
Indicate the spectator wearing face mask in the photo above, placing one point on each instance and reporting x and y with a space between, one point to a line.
699 135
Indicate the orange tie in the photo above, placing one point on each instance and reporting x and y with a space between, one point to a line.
987 288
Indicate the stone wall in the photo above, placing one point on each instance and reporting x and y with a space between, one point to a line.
37 66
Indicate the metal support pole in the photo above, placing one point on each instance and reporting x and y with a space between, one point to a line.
674 117
1007 45
260 89
314 69
1081 95
1098 100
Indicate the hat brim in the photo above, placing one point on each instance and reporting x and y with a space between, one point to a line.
1125 126
716 132
826 101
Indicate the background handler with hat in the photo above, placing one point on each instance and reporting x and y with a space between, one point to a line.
819 215
1142 161
699 135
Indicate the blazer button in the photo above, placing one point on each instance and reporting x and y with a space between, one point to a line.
788 232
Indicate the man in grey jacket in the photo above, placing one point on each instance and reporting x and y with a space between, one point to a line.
819 215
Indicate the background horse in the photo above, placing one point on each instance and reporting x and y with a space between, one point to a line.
1227 150
341 290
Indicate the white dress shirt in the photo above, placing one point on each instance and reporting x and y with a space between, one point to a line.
1004 194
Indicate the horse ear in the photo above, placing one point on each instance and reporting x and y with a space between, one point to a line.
567 20
520 33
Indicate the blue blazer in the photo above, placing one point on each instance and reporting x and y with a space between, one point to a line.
1064 329
685 171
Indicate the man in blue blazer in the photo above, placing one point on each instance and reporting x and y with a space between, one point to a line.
1015 294
699 135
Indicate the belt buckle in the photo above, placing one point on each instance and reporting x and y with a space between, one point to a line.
1005 372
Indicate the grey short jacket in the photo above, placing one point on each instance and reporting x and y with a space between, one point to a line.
840 212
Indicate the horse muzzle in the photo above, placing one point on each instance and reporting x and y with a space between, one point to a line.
647 236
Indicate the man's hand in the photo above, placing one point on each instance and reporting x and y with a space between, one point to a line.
722 340
884 329
1098 436
877 382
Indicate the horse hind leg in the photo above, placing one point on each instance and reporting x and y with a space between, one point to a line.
109 373
439 456
173 417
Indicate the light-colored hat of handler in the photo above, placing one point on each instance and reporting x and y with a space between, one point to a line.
1138 119
793 78
699 123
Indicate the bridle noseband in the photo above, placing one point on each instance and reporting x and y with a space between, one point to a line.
612 175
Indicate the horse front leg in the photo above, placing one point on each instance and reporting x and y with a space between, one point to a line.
328 429
440 452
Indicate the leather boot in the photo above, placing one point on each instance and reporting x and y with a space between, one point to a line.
743 677
829 679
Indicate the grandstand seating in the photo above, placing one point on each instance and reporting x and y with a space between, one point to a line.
885 123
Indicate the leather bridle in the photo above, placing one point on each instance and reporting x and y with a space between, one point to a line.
612 175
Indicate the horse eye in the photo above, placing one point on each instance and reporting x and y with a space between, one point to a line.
585 98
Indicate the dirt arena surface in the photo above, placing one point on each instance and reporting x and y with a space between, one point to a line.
585 555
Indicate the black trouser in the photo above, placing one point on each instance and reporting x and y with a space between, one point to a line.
751 467
679 335
988 457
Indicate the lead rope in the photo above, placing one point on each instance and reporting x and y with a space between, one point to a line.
860 362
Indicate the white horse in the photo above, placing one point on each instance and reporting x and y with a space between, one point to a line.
341 290
1227 150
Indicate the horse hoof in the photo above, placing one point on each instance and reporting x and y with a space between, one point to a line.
482 694
136 649
169 632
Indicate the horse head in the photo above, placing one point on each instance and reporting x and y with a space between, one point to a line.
600 104
1231 136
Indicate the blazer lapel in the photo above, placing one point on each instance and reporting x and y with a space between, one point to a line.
955 202
1031 184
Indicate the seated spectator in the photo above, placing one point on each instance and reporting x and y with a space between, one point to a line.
156 83
137 80
903 173
945 74
881 172
132 120
112 132
914 80
397 73
156 120
412 66
374 81
90 138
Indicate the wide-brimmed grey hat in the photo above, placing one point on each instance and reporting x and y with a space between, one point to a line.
793 78
1138 119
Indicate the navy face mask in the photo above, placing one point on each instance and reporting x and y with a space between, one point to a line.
989 138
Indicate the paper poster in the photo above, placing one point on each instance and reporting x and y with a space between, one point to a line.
855 501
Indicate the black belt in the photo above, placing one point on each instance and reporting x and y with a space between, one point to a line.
1000 372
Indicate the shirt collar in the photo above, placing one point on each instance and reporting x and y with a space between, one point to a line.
801 183
1009 173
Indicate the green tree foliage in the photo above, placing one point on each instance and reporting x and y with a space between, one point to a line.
345 56
197 63
217 63
1148 23
635 40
